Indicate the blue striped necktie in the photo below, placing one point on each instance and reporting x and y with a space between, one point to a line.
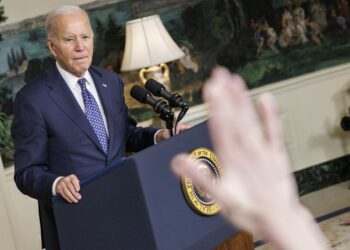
94 116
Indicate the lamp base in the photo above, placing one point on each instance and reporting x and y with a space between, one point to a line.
159 73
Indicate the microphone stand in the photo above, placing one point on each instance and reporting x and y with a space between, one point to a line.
169 121
165 114
159 106
181 115
174 100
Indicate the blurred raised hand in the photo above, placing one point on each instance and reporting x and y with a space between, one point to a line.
257 191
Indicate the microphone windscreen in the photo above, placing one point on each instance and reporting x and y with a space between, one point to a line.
154 87
139 94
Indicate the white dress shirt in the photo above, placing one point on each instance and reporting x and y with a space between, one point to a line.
73 85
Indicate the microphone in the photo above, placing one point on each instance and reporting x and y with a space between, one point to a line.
158 89
159 106
345 123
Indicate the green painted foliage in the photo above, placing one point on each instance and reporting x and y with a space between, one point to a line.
6 142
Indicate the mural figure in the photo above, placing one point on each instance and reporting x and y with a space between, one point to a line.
270 36
319 13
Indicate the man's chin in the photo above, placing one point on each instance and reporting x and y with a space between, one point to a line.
81 70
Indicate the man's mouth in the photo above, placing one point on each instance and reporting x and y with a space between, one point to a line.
80 58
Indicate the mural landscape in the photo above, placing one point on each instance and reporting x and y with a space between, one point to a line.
265 41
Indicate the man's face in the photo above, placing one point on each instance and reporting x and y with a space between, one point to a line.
72 43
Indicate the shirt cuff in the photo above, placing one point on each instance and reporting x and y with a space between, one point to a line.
55 184
155 135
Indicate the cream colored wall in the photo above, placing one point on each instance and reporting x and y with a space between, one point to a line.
6 232
19 219
19 10
311 107
24 216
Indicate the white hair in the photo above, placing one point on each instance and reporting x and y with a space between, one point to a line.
61 11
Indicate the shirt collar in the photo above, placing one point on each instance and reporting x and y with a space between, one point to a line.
71 79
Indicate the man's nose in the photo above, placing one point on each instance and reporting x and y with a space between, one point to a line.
79 45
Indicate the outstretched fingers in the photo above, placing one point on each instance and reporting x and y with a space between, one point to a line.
233 123
184 166
229 192
271 123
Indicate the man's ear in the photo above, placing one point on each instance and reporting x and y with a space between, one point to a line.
51 46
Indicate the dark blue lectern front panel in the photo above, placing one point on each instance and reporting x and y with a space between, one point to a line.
111 215
175 225
139 204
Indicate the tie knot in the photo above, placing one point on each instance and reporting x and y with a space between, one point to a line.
82 83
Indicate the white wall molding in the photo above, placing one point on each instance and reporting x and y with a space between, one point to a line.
311 107
19 218
7 232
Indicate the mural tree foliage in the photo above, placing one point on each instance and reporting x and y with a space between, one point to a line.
6 143
3 18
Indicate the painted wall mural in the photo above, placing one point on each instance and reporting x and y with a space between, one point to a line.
265 41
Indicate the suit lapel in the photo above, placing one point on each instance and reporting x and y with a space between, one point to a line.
64 98
104 93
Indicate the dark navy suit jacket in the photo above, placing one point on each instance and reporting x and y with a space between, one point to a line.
54 138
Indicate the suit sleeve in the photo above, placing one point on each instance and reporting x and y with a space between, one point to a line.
137 138
30 137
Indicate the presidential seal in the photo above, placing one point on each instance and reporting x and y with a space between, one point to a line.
200 201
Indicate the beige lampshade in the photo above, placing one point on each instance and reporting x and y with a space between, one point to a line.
148 43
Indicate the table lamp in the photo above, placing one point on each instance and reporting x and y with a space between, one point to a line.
148 47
